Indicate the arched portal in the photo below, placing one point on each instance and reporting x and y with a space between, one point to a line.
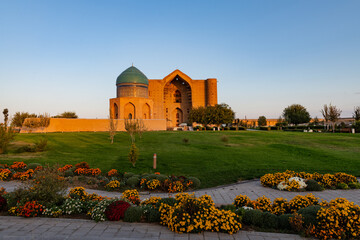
116 111
129 111
177 99
146 111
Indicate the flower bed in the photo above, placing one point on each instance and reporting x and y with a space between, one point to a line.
112 180
302 181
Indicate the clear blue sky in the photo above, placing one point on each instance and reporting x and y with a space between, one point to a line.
60 56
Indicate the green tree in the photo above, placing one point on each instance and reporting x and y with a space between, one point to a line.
19 118
66 115
199 115
296 114
262 121
7 134
220 114
133 154
356 113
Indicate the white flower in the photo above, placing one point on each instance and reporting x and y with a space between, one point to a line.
282 185
247 208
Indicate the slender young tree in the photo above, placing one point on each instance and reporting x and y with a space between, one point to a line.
356 113
325 113
113 125
334 115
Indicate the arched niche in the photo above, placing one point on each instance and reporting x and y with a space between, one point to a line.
146 111
129 111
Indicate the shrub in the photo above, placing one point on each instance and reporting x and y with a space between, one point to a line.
342 186
280 206
54 212
302 201
133 181
132 196
241 200
229 207
252 217
313 185
196 182
263 203
72 206
185 140
128 174
114 184
161 177
309 215
33 166
30 209
116 210
283 221
98 212
40 145
168 201
354 185
133 154
133 214
224 139
269 220
151 214
82 165
69 173
3 203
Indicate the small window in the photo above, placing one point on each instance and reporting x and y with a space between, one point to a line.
167 110
177 96
130 116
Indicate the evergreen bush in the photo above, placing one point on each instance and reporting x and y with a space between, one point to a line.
313 185
196 182
283 221
133 181
133 214
309 214
269 220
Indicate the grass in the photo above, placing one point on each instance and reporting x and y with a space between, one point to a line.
245 154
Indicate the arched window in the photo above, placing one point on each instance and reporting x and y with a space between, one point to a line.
130 116
177 96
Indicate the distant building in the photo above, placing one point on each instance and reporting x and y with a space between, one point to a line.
170 98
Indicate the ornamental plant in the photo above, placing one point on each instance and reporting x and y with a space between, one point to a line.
131 196
72 206
116 210
29 209
241 201
98 212
3 203
53 212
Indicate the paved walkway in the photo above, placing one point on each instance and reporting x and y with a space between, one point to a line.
49 228
17 228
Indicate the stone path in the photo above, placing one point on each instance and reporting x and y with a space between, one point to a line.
17 228
49 228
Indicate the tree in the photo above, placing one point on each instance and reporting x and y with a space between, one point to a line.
66 115
281 122
113 124
133 154
7 134
220 114
42 121
356 113
262 121
19 118
296 114
334 114
199 115
133 127
325 113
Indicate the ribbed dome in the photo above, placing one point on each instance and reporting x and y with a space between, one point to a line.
132 75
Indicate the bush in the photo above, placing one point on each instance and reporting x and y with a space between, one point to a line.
133 181
133 214
283 221
196 182
354 185
3 203
69 173
225 139
309 215
252 217
185 140
133 154
128 174
40 145
161 177
269 220
342 186
72 206
313 185
33 165
152 214
168 201
116 210
229 207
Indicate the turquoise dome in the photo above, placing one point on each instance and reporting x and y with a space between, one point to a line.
132 75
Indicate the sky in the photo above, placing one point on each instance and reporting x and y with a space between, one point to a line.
58 56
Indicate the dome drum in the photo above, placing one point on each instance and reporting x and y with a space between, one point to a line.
132 90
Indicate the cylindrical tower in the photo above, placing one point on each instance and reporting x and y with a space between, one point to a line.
211 92
132 83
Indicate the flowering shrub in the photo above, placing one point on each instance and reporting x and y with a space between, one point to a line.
340 220
192 214
82 165
78 193
116 210
98 212
241 201
176 186
5 174
112 172
151 201
65 168
54 212
285 180
95 171
3 203
72 206
18 165
302 201
30 209
132 196
262 203
113 185
153 184
280 206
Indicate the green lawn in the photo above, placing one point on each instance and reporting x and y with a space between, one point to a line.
248 154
